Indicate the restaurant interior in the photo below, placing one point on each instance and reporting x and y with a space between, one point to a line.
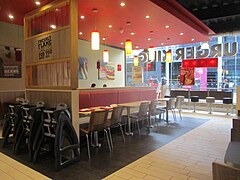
89 89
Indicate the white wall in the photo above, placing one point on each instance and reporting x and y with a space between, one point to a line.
116 56
12 35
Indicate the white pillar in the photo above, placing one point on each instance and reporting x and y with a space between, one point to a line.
219 69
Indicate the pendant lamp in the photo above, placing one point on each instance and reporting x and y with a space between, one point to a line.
151 53
106 56
128 47
135 61
169 56
95 36
95 40
205 45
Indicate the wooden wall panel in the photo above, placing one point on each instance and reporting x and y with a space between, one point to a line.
51 98
11 95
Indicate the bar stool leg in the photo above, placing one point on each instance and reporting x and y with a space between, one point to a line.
194 107
210 108
227 109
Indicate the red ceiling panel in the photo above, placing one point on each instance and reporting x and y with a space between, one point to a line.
111 13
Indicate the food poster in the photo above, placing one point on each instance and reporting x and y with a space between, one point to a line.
10 62
106 71
82 68
187 76
137 74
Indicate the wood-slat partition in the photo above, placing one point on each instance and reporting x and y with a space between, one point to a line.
54 78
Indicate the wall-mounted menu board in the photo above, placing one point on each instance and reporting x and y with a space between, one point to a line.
10 62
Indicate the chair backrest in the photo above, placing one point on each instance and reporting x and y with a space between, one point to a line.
153 107
49 123
179 102
116 115
26 118
143 110
170 104
98 120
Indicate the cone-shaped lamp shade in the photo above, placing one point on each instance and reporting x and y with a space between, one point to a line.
105 56
169 56
95 40
135 61
128 47
151 53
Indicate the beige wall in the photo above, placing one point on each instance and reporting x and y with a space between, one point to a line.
116 56
12 35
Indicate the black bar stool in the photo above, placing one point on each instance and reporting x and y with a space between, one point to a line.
227 101
210 101
194 99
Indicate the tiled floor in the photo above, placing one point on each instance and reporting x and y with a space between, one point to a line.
187 157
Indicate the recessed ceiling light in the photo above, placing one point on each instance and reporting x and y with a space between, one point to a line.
167 26
132 33
122 4
162 43
82 17
147 17
37 3
53 26
192 39
104 38
80 33
122 43
137 47
149 39
194 9
56 9
10 16
181 34
110 26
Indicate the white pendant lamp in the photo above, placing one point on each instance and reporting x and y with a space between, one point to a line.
151 53
95 40
205 45
106 56
95 36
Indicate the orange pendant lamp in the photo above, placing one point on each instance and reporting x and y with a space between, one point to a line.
169 56
135 61
128 47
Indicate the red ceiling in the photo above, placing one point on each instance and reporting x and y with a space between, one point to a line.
111 13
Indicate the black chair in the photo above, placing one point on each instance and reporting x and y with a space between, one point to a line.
11 122
57 135
194 99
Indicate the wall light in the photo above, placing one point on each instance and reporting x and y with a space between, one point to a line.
205 45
